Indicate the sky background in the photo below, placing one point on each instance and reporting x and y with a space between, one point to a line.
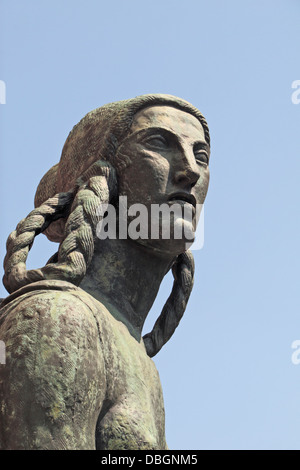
227 373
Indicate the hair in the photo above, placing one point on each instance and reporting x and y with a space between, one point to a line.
66 203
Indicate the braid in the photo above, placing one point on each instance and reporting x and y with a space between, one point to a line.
20 240
167 322
76 250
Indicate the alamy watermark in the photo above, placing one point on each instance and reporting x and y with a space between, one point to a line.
296 353
175 220
2 92
2 353
296 94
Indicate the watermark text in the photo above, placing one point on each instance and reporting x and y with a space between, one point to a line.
296 94
2 353
2 92
296 353
174 220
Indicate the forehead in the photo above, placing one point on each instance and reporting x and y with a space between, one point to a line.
181 123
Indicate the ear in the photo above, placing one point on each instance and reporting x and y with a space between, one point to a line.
55 231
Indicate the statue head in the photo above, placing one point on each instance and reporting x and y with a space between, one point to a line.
168 172
102 136
101 160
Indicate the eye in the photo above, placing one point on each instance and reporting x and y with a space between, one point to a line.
158 141
201 156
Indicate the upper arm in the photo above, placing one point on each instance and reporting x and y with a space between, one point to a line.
53 383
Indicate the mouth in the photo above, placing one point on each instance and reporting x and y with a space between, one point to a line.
183 197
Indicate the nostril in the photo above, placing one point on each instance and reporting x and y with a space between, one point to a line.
194 177
181 177
189 177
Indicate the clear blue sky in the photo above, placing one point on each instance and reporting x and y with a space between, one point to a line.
227 374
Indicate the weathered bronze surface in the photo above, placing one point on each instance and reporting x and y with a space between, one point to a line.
78 373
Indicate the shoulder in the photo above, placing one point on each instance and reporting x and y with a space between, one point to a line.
57 307
49 288
54 380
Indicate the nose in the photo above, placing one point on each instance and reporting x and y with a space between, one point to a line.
187 172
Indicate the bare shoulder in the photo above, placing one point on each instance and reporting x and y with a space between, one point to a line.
49 321
54 367
59 306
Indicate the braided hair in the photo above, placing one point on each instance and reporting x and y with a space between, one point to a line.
77 248
66 203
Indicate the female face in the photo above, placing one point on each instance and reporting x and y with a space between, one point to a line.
169 159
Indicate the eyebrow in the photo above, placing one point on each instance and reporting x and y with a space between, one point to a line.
163 130
202 144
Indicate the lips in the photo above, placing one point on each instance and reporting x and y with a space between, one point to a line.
183 197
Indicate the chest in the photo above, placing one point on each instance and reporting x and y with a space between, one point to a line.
132 416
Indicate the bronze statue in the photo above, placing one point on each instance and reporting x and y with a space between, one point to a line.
78 373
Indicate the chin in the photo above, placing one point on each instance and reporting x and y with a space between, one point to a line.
173 246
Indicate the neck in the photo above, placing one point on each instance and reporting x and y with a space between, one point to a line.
125 276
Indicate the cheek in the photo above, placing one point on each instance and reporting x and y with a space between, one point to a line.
145 177
202 187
